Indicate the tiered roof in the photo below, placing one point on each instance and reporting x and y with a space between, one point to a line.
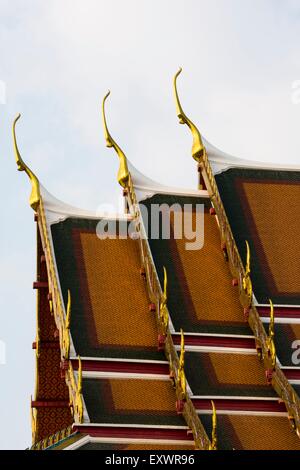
144 344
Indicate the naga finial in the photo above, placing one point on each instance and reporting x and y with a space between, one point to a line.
270 340
248 259
66 332
198 148
182 350
79 384
35 185
272 322
247 284
123 173
213 445
164 315
181 374
165 284
68 315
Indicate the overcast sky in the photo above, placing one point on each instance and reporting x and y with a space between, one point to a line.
57 60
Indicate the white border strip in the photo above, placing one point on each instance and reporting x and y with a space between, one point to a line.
114 440
244 413
215 349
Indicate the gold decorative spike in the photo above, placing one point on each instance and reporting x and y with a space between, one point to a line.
68 316
181 374
75 391
79 384
213 445
79 403
198 148
270 340
164 315
123 173
248 267
35 185
182 350
271 324
33 423
247 284
37 342
165 282
66 331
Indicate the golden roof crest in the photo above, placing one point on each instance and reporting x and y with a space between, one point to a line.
35 196
198 148
123 173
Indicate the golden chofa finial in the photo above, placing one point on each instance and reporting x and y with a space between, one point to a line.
213 445
123 173
35 196
198 148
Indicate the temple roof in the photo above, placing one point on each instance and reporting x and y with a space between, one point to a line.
261 206
158 345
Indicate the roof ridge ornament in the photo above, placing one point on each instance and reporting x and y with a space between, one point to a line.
198 148
123 173
66 330
35 195
181 374
214 439
163 310
271 337
246 281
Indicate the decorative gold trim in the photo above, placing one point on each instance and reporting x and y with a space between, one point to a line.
66 330
68 315
237 269
163 311
270 340
37 338
57 302
33 423
35 196
123 173
198 148
246 282
214 439
159 298
181 375
53 439
79 385
62 319
75 388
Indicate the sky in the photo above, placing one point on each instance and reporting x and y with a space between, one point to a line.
240 84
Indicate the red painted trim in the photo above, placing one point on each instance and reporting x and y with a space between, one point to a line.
134 432
47 345
120 366
40 285
232 404
49 404
279 312
292 374
216 341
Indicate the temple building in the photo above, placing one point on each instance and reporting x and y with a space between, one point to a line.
143 342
